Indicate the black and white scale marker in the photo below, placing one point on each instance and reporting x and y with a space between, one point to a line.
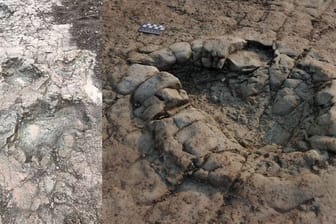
152 28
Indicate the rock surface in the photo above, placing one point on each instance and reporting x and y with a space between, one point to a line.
182 51
50 117
189 145
136 75
255 142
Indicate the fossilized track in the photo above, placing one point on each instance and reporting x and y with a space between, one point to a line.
300 108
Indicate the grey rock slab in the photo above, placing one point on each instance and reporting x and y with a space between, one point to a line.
284 63
300 74
173 97
163 58
291 83
154 84
327 96
136 75
197 139
304 91
188 116
285 102
277 134
280 69
325 124
182 51
324 98
222 46
220 169
196 47
244 61
200 138
277 77
287 51
151 108
174 149
320 71
185 140
255 84
163 128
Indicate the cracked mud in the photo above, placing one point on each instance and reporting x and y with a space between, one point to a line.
50 118
229 117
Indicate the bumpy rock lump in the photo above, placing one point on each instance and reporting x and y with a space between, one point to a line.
264 151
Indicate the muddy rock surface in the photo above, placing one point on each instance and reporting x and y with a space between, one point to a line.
50 118
228 117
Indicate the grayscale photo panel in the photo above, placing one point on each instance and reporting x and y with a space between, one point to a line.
50 112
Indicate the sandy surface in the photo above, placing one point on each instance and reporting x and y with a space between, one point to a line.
244 157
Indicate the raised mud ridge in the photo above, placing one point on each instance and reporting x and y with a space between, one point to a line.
255 138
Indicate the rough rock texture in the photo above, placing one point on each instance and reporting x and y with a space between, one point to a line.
50 119
254 143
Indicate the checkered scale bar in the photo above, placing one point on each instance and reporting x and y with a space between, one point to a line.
152 28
